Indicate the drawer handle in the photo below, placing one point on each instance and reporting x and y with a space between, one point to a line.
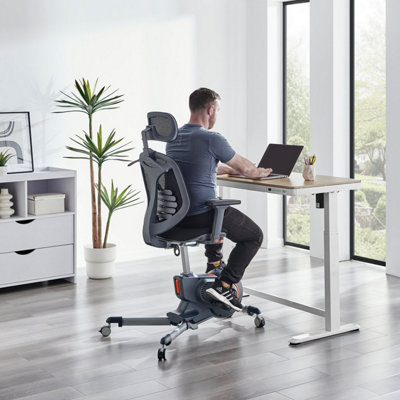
25 221
24 252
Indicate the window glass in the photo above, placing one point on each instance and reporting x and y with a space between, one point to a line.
297 111
370 128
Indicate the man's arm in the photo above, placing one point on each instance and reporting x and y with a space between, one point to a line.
225 169
245 167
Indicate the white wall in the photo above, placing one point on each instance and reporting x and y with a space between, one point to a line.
155 51
329 110
264 106
392 136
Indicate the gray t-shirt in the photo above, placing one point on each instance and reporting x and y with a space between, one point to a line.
197 152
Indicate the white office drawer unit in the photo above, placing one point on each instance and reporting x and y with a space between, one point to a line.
38 265
37 233
36 248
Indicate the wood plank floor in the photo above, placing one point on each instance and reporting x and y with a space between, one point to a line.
50 348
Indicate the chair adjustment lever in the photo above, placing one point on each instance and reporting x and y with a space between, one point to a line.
177 250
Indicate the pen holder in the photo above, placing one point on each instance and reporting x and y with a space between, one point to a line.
309 172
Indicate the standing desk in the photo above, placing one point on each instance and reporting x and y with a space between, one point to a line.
326 189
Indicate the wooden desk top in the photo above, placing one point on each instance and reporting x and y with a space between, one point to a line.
295 183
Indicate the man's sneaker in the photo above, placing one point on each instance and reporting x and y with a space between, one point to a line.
224 295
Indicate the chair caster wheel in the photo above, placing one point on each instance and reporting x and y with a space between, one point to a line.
161 354
259 321
105 330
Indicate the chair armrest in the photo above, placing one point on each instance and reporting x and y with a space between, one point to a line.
220 205
222 202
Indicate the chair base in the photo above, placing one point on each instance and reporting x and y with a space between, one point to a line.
194 308
180 327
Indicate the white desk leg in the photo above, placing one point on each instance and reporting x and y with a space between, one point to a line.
224 192
331 263
331 270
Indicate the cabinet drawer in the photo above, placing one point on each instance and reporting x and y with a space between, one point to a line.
36 233
40 264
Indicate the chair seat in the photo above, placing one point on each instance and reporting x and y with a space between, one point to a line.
185 234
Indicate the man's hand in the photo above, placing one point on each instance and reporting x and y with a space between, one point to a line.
264 172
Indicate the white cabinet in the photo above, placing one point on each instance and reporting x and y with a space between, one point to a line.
38 248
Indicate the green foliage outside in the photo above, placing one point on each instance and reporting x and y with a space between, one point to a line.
370 89
380 213
298 228
370 243
298 108
298 220
359 197
373 193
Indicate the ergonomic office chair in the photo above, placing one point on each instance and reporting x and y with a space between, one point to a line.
167 204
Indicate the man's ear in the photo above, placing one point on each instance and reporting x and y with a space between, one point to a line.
210 110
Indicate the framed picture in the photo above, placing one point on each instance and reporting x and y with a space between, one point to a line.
15 137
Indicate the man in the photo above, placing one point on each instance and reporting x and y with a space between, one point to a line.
198 150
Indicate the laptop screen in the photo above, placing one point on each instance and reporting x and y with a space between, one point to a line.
281 158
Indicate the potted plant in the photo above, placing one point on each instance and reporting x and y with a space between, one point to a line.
100 262
100 255
4 158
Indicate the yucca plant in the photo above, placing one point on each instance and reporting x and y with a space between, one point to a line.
114 201
89 101
96 151
5 157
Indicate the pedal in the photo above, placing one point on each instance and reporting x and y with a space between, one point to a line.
221 305
175 319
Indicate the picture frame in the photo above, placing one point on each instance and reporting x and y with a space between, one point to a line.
15 136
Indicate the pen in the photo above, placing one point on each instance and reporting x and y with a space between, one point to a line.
310 160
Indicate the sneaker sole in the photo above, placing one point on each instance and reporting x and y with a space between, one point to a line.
215 295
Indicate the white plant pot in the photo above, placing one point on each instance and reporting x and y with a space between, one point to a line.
3 170
100 262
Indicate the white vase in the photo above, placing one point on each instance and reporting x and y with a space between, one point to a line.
5 204
3 170
100 263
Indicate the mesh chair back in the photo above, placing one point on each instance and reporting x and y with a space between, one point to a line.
167 197
163 126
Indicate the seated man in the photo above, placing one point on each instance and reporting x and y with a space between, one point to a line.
198 150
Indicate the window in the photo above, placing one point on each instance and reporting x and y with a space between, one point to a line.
368 130
296 112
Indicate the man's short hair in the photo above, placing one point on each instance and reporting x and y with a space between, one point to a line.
202 98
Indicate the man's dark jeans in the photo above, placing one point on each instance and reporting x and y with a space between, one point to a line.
241 230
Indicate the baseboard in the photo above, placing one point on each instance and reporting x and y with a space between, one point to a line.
272 243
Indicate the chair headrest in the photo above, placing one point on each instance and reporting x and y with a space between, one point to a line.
163 126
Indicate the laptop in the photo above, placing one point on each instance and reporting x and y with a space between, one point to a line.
281 158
